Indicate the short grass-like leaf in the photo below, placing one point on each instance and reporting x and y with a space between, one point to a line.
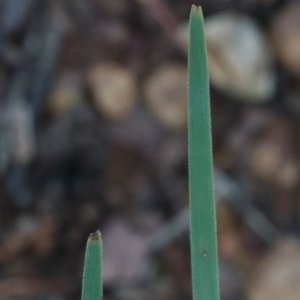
92 273
205 280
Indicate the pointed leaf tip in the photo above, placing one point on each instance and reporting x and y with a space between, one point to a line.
95 236
92 274
197 10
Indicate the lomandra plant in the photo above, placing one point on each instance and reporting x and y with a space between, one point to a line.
202 205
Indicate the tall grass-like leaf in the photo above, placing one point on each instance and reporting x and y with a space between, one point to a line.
92 273
202 207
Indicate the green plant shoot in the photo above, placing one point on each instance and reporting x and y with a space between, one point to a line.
92 273
205 280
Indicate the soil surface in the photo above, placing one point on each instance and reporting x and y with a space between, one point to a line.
93 136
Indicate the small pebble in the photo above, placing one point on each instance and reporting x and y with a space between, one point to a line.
114 90
262 144
165 93
285 35
271 163
240 61
277 276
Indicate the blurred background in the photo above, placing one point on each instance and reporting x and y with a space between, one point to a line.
93 136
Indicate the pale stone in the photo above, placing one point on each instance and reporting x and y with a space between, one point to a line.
166 95
285 34
240 60
277 277
114 90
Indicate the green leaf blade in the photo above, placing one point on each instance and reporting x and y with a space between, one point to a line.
202 207
92 273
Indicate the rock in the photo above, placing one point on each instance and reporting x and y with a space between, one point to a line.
114 90
240 61
277 276
285 35
270 162
165 93
263 146
67 93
